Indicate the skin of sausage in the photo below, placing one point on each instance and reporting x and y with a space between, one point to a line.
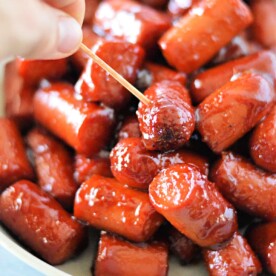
263 143
96 85
236 259
106 204
168 121
84 126
193 205
14 164
200 33
40 222
130 128
246 186
54 167
212 79
234 109
262 239
142 258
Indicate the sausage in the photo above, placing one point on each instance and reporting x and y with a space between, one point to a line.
212 79
130 128
137 258
14 164
96 85
84 126
54 167
235 108
41 223
113 19
193 205
168 121
85 167
236 259
133 164
262 239
106 204
246 186
200 33
263 143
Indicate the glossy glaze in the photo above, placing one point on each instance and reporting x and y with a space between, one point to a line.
118 257
193 205
133 164
130 128
86 127
54 167
106 204
168 121
236 259
235 108
40 222
262 238
96 85
263 143
180 7
200 33
14 164
246 186
212 79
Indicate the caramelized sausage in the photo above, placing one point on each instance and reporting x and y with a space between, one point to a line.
236 259
200 33
84 126
130 128
168 121
106 204
14 164
40 222
54 167
118 257
232 110
262 238
247 187
193 205
263 143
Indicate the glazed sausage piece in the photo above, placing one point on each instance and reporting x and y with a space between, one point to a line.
96 85
130 128
235 259
14 164
84 126
263 143
133 164
168 121
41 223
262 239
200 33
106 204
131 22
212 79
235 108
54 167
137 258
246 186
85 166
193 205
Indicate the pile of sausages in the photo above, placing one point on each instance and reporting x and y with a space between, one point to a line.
182 174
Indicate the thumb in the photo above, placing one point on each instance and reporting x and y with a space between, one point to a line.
33 29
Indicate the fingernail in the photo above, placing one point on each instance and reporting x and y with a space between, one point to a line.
70 35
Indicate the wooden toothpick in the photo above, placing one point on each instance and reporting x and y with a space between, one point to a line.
115 75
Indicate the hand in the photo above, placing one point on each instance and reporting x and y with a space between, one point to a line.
40 29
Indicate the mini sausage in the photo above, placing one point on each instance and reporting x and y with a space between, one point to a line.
41 223
235 108
130 128
200 33
193 205
137 258
84 126
168 121
246 186
106 204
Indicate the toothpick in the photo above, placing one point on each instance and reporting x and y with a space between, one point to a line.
115 75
